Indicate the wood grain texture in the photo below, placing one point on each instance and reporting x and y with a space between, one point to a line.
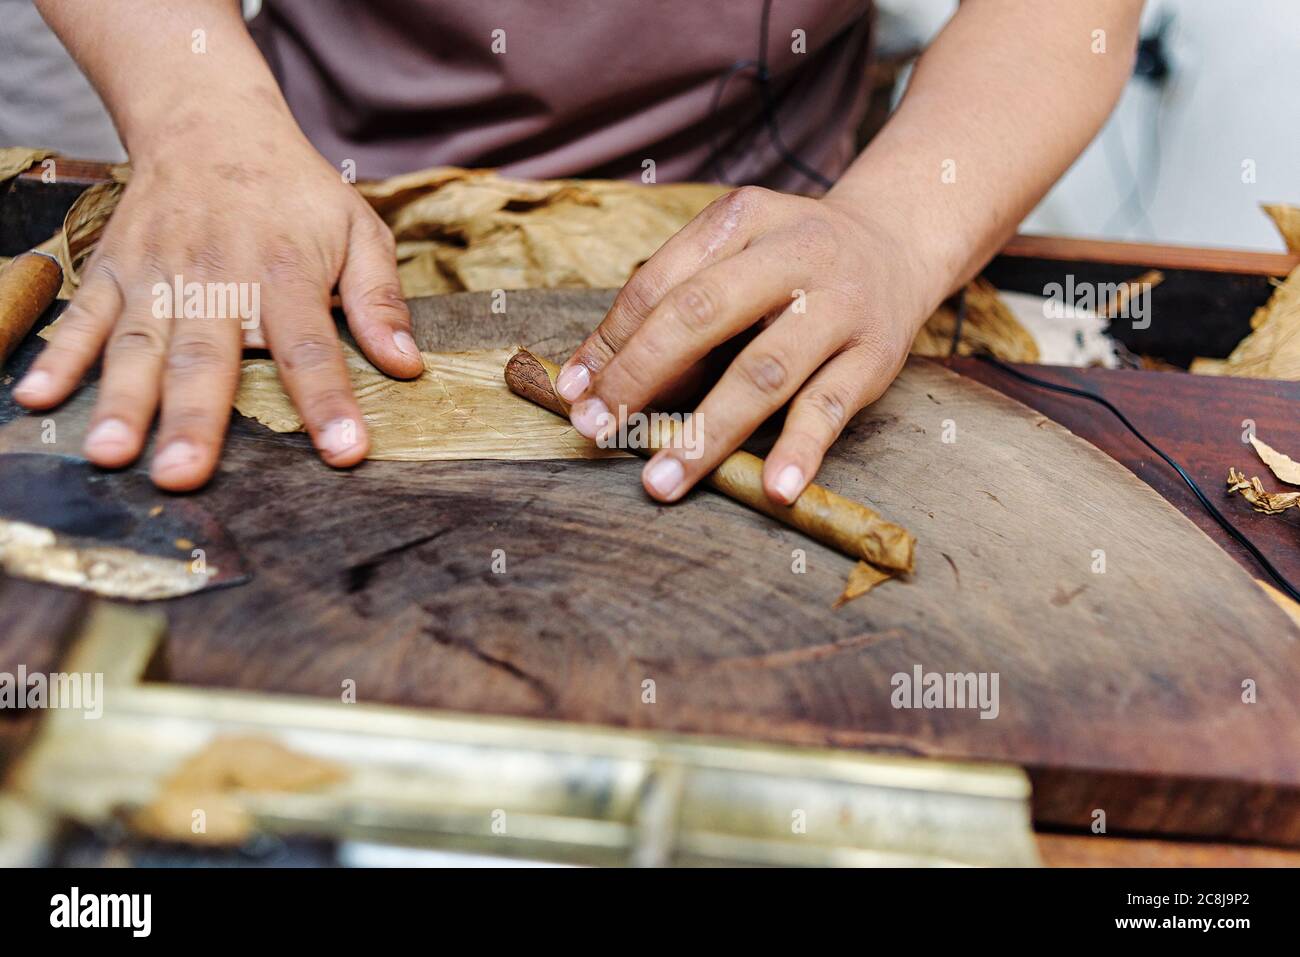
1200 423
1071 850
1119 690
1140 256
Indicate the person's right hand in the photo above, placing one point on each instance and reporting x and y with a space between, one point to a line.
260 206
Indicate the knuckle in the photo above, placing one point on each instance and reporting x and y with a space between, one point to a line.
624 381
284 262
741 202
194 356
696 305
209 257
138 339
609 343
385 297
102 265
876 356
764 373
375 231
637 298
829 406
312 354
153 254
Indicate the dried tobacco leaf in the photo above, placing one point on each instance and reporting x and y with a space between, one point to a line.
988 326
82 226
18 159
84 223
862 578
214 779
1282 467
460 408
1272 350
469 230
1287 220
1252 490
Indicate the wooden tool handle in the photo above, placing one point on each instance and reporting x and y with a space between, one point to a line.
28 284
841 523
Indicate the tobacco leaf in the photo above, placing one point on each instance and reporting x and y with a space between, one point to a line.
471 230
19 159
212 781
36 553
1282 466
459 408
1272 350
988 326
82 226
1287 220
862 578
1252 490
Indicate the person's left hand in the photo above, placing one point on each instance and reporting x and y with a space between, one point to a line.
835 299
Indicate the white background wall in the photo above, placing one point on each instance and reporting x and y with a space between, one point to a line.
1233 95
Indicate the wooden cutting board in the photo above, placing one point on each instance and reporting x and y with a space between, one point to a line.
1120 684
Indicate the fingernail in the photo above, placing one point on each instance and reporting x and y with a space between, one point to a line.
572 381
789 482
405 344
664 475
36 383
589 417
339 436
176 455
110 434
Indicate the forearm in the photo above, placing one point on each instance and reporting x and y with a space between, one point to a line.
159 79
999 106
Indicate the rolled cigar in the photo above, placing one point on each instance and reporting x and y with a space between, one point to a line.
841 523
28 284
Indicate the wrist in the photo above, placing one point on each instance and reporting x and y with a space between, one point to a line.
223 127
901 256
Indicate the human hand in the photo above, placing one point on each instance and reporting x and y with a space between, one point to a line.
835 300
285 228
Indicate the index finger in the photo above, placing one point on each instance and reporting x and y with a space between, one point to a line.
722 228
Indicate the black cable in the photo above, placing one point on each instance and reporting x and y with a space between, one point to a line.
769 108
715 151
769 105
1291 591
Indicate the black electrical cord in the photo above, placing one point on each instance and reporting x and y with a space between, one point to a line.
769 118
769 104
1286 586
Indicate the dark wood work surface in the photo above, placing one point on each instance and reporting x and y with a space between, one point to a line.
399 563
1198 420
1111 695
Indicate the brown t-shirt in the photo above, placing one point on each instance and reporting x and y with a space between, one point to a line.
553 88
